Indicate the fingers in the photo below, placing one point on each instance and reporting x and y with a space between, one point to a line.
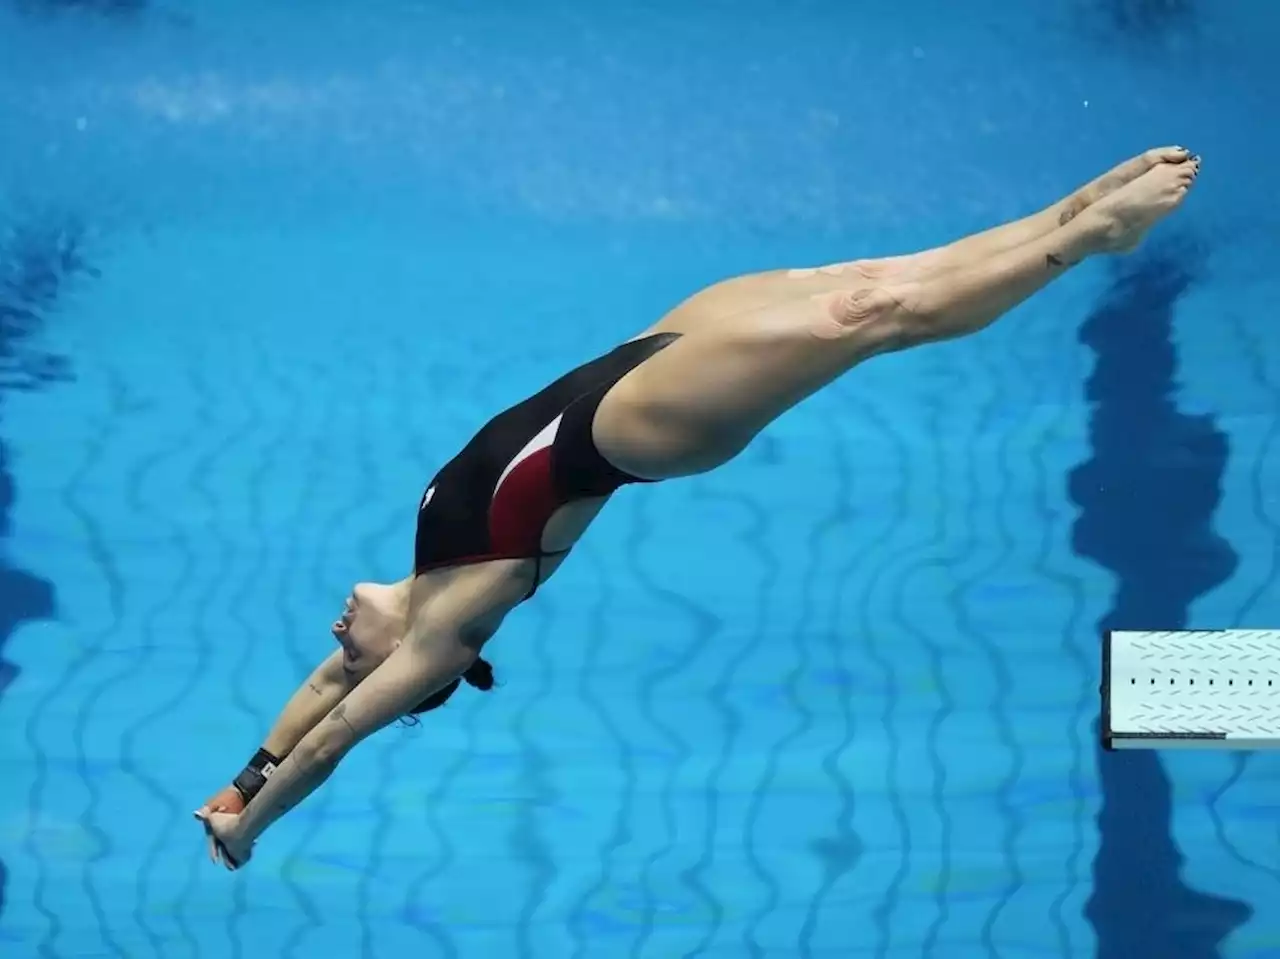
230 863
218 854
209 808
215 847
202 815
217 850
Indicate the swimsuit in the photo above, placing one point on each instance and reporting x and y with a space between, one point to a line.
494 499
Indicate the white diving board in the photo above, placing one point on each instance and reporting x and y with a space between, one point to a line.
1206 689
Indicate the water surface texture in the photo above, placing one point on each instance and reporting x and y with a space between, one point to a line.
263 267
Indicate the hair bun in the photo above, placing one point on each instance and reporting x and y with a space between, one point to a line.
479 674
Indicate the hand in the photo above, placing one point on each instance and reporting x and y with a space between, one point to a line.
226 844
226 800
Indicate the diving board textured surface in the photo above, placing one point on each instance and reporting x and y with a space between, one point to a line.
1191 688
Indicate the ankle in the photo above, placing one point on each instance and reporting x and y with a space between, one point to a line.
1082 236
1070 207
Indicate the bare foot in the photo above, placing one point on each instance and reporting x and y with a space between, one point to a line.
1123 217
918 265
1112 180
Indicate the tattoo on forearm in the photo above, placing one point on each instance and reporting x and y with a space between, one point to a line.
340 713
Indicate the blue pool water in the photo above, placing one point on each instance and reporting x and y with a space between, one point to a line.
264 268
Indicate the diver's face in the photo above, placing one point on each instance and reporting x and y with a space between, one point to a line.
370 627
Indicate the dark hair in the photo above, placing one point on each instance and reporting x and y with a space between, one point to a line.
479 674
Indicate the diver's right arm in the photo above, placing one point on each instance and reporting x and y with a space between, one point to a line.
314 700
327 685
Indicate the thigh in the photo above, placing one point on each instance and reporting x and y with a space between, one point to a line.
729 300
701 400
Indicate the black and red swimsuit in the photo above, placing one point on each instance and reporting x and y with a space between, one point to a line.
494 499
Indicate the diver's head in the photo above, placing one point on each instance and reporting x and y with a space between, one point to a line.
373 622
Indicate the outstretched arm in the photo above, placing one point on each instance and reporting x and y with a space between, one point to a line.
318 694
418 668
322 690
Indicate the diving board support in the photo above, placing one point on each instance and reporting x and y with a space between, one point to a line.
1181 689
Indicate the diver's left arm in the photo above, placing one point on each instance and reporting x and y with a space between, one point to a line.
418 668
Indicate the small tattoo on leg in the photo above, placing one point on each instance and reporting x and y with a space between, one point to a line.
1067 216
314 688
1052 260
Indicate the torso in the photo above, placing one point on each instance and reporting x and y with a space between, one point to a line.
475 598
498 518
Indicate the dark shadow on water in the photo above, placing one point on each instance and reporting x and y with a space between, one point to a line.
1136 24
38 259
1148 16
106 8
1147 499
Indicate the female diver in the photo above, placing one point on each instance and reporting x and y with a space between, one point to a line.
682 398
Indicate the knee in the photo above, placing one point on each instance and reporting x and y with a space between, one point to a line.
872 316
